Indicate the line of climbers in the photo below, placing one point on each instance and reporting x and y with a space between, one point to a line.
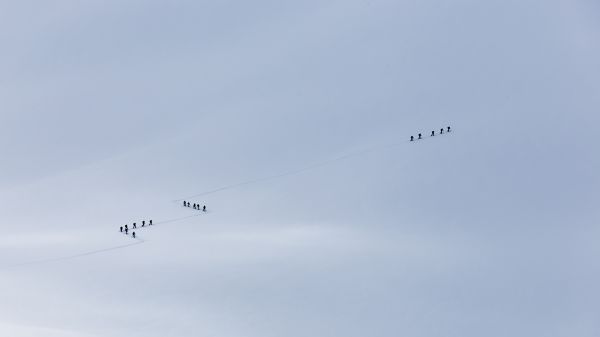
412 138
126 228
195 206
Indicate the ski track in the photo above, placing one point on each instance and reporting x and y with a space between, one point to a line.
93 252
303 169
216 190
288 173
71 257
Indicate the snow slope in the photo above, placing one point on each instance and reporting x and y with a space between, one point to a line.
291 123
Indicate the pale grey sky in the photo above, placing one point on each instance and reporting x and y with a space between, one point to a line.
111 109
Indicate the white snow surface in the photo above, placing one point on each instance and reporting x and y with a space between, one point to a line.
291 122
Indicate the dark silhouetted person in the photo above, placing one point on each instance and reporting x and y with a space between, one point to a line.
204 208
419 136
412 138
134 227
432 133
133 233
126 231
150 224
126 227
121 229
448 129
188 204
143 223
184 204
441 131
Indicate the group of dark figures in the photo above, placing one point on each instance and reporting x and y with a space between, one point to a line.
195 206
412 138
126 228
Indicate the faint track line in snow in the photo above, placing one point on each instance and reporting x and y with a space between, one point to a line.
289 172
216 190
93 252
70 257
177 219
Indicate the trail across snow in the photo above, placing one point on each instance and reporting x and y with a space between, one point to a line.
304 168
216 190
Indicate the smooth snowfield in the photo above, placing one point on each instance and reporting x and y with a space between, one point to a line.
291 122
